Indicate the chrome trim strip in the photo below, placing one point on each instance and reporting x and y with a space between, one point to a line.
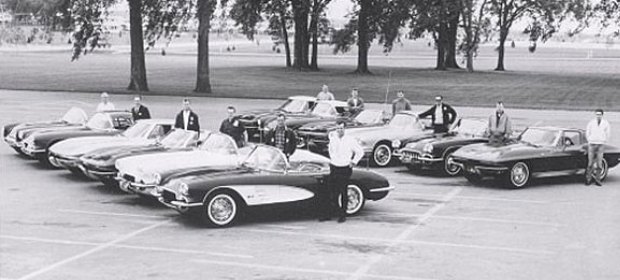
389 188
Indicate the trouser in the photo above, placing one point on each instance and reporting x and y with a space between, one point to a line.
595 158
338 183
497 139
440 128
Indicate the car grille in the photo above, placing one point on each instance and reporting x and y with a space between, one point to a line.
410 154
168 196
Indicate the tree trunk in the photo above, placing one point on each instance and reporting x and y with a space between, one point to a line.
314 30
203 84
137 77
287 48
500 59
363 43
453 26
300 11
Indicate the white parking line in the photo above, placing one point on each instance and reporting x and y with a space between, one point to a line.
464 218
111 214
144 248
471 197
402 237
303 270
93 250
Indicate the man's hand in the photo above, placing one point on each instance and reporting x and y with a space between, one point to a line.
351 164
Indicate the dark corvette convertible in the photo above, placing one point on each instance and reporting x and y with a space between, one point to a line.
538 152
36 143
432 152
15 132
218 195
254 120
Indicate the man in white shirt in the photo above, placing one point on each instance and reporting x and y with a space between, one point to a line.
105 104
344 152
187 119
597 133
324 94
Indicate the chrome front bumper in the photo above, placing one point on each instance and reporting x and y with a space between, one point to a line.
409 157
136 188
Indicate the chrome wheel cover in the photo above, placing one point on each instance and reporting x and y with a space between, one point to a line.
519 174
222 209
382 155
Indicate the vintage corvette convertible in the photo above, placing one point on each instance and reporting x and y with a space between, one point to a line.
36 144
538 152
218 195
323 111
432 152
15 132
294 105
99 164
317 132
377 140
66 153
141 174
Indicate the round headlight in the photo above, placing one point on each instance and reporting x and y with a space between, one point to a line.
428 148
151 179
183 189
258 122
396 144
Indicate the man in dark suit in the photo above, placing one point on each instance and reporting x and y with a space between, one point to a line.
139 111
442 115
234 128
356 103
282 137
187 119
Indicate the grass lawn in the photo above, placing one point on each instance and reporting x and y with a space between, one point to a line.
539 80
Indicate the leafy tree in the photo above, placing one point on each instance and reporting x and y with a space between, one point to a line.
51 13
609 13
474 23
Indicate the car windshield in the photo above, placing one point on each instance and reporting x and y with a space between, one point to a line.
540 137
325 110
369 117
179 138
219 143
99 121
75 115
294 106
403 121
471 127
266 158
138 130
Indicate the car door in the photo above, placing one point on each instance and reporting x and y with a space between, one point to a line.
568 154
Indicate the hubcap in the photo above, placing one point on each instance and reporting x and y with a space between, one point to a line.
354 199
382 155
222 209
450 167
519 174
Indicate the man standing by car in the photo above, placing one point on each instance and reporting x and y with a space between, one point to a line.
401 103
139 111
356 103
324 94
282 137
187 119
442 115
597 133
105 104
344 153
499 128
234 128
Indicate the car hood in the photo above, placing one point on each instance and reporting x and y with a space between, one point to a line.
324 126
487 152
44 138
26 130
79 146
163 163
371 134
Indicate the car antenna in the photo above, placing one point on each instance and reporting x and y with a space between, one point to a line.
387 91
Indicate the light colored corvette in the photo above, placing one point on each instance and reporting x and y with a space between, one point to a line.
141 174
66 153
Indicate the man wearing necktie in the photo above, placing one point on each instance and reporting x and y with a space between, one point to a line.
356 103
442 115
187 119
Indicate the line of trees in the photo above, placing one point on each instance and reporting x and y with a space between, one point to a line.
456 26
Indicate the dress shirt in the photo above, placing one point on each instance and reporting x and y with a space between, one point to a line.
344 151
439 114
105 107
598 133
185 119
325 96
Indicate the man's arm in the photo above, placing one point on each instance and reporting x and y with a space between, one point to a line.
508 131
452 113
146 113
427 113
292 145
358 151
407 105
177 122
222 127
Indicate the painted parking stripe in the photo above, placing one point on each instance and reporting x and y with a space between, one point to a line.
93 250
123 246
471 197
464 218
303 270
74 211
404 235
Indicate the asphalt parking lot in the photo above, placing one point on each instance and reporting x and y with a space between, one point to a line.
54 225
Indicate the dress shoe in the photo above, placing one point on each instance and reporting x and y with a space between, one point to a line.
598 183
588 182
342 219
